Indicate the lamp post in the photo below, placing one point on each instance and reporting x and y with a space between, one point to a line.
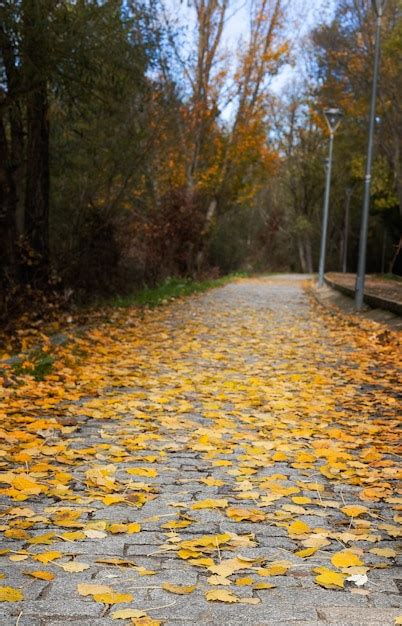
333 117
378 6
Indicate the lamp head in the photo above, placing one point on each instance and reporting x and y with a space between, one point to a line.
333 117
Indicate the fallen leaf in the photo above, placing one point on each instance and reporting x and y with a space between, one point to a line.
9 594
345 558
329 578
142 471
354 510
74 566
112 597
179 589
220 595
298 527
127 614
89 589
42 575
210 503
47 557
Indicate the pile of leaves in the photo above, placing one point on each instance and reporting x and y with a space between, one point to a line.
290 422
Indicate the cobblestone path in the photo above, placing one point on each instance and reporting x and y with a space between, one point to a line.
245 423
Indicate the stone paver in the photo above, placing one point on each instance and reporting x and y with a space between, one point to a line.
207 330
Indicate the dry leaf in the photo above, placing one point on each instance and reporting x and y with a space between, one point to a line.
47 557
127 614
74 566
210 504
345 558
179 589
112 597
9 594
220 595
89 589
329 578
42 575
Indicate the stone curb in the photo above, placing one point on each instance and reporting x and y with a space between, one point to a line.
376 302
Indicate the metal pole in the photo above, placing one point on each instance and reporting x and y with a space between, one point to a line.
324 230
349 192
361 268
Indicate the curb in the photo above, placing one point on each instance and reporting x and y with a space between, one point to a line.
376 302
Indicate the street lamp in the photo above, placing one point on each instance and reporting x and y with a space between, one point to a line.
378 6
333 117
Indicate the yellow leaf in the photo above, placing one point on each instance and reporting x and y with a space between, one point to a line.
330 579
142 471
88 589
116 528
398 620
187 554
127 614
263 586
387 552
239 514
217 580
25 483
112 597
276 568
134 527
210 504
354 510
46 557
9 594
42 575
298 528
202 561
301 500
115 560
74 566
180 589
246 580
18 557
345 558
306 552
212 482
142 571
46 538
113 499
176 524
94 534
220 595
76 535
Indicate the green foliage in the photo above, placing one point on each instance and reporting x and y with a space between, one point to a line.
38 364
171 289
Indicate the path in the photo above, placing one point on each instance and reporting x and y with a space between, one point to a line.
245 423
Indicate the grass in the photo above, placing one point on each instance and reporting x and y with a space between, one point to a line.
38 364
171 289
393 277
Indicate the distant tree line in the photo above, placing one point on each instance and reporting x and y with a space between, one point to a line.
130 153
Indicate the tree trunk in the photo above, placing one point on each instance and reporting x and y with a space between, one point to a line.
308 254
205 235
8 252
37 146
302 256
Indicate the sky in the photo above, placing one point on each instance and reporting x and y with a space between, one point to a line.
301 17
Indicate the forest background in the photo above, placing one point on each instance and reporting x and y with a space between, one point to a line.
138 143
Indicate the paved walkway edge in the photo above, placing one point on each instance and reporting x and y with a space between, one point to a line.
374 301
